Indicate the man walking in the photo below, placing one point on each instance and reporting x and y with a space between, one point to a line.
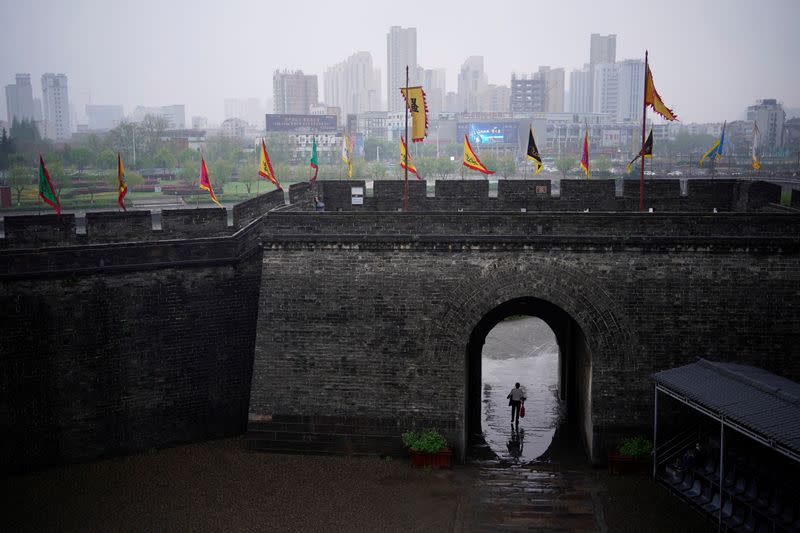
515 399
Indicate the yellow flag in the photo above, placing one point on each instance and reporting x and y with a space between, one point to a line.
346 157
265 166
418 107
471 159
652 98
403 150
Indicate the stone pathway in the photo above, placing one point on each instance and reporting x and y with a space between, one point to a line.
538 496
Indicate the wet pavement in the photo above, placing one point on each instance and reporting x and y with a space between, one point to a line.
519 486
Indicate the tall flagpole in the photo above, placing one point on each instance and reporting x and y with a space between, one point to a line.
644 119
405 185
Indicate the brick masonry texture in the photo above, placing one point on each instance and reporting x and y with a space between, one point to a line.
336 331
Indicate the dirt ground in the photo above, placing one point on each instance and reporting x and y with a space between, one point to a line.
220 486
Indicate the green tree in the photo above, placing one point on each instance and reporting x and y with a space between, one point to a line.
507 166
105 160
565 163
602 165
165 159
20 177
81 157
375 146
220 172
377 170
24 130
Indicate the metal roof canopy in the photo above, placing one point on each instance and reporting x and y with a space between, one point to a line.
750 400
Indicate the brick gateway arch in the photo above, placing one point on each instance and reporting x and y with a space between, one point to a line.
594 336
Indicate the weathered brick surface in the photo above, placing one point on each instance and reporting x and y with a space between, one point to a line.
117 362
121 226
33 231
381 329
301 196
388 194
247 211
338 195
201 222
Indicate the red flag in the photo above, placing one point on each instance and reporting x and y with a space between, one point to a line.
585 156
205 182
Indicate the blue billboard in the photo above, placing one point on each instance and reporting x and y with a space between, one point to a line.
489 133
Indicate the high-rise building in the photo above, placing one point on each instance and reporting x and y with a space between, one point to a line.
78 101
199 122
19 99
542 91
55 97
434 82
630 90
472 81
103 117
353 85
602 50
580 90
401 52
294 92
553 85
175 115
527 94
619 88
494 99
769 115
247 109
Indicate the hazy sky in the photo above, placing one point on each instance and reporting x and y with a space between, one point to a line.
710 58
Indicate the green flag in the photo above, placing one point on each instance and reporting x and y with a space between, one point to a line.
314 162
46 190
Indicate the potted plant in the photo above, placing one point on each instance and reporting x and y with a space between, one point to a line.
428 449
632 455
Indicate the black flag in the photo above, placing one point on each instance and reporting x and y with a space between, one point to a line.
646 151
533 152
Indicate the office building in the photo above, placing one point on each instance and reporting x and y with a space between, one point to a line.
175 115
55 100
247 109
401 52
769 115
294 92
103 117
354 85
472 81
19 99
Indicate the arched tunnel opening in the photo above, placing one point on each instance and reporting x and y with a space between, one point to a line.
545 348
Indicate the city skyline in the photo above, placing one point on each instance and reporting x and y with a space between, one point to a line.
167 70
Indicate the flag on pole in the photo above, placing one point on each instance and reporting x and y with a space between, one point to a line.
46 191
205 181
346 154
646 151
533 152
715 151
403 151
755 163
471 159
585 155
652 98
314 163
122 186
265 166
418 107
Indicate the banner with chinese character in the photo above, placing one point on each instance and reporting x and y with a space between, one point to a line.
418 107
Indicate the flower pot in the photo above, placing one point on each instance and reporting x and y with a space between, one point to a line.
440 459
623 464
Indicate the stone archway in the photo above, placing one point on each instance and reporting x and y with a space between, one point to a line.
562 286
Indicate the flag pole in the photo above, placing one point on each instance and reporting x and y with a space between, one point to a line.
641 147
405 185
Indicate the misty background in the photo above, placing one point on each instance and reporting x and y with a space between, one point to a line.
710 59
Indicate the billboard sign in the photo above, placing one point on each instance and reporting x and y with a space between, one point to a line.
300 123
489 133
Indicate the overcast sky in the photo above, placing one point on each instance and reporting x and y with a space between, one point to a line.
710 58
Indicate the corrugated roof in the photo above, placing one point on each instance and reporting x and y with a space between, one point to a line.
760 401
